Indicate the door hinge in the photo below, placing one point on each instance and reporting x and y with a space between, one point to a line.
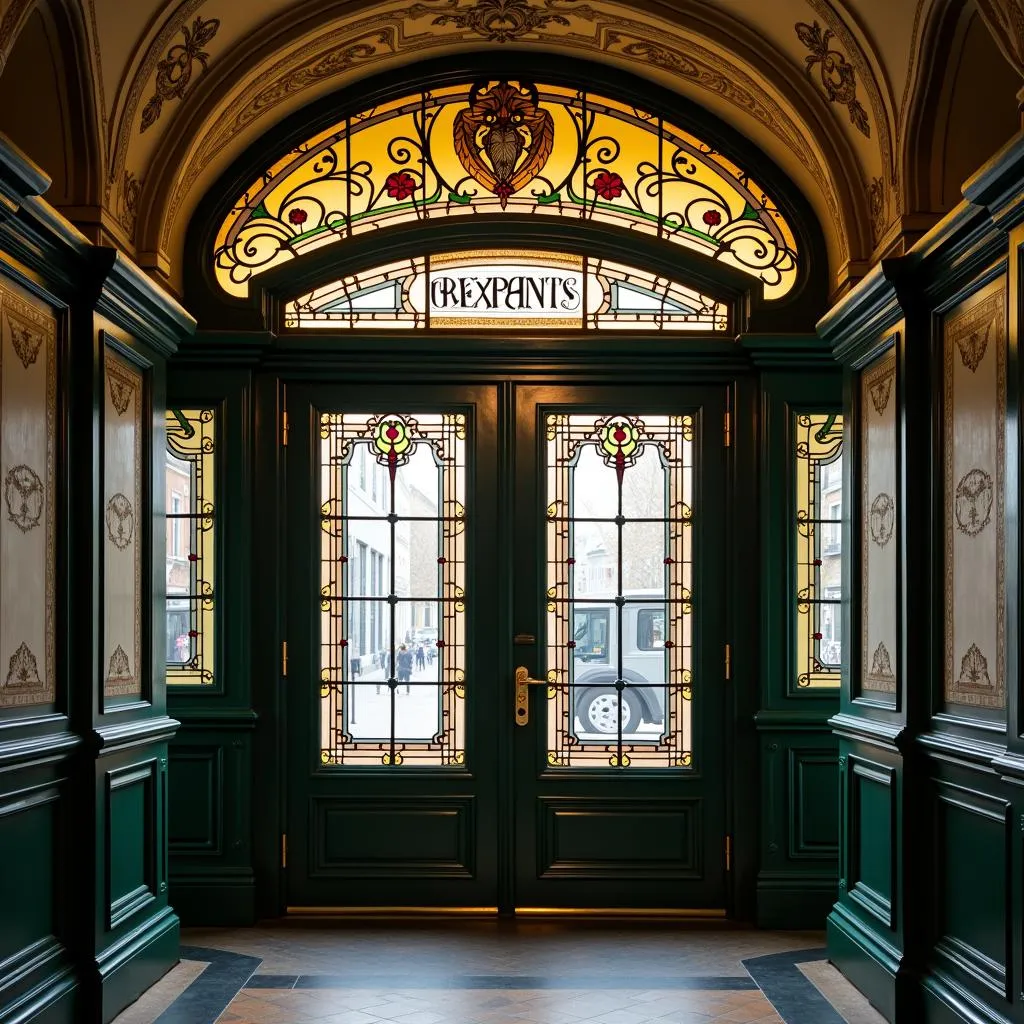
728 662
284 429
728 429
284 657
284 849
728 853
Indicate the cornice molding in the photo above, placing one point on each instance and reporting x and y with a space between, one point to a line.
860 324
139 306
20 177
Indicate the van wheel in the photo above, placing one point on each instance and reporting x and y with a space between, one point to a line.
598 711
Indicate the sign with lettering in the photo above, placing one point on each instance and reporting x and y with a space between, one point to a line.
502 292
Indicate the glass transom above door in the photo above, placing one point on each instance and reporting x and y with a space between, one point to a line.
507 289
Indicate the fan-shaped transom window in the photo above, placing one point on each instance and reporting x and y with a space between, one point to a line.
505 288
513 147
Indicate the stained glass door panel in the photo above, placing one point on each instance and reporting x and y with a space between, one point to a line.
392 706
620 778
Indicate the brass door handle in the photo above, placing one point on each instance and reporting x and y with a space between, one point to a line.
523 684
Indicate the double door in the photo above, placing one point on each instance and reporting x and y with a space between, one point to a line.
505 626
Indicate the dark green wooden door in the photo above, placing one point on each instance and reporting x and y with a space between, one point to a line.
439 537
620 767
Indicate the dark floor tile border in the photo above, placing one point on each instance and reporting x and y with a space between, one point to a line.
794 996
407 981
209 995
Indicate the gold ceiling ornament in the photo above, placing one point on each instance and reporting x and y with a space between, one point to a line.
837 74
174 72
502 21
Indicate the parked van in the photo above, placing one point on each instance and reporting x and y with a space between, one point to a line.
596 657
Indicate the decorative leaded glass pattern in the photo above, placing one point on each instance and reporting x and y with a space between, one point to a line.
190 503
393 589
620 558
506 147
819 560
505 288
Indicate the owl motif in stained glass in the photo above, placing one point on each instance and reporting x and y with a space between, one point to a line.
503 139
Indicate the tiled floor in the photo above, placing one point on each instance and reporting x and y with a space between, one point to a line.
493 972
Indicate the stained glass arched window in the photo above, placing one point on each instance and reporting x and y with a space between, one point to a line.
504 288
506 146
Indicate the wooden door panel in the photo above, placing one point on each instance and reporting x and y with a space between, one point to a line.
385 808
633 817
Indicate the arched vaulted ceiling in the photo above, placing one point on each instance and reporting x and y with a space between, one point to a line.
831 90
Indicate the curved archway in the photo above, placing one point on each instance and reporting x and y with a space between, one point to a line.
797 306
49 59
708 56
944 139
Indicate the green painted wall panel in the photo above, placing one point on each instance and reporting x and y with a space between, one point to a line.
27 883
196 799
874 834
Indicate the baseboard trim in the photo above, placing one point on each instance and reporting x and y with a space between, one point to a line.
127 968
214 902
867 961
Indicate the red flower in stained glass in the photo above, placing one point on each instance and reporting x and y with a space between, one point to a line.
670 561
440 643
669 644
193 557
817 561
570 561
193 632
297 217
712 218
441 561
400 185
571 644
817 636
344 643
608 185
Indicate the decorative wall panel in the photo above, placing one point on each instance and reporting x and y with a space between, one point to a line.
122 520
28 416
974 415
878 525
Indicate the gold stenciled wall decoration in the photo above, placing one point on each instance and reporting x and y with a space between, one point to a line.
28 412
974 423
122 520
879 553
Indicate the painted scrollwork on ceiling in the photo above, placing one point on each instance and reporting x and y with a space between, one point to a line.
166 71
503 21
836 72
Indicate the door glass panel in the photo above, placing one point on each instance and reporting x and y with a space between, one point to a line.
392 597
619 590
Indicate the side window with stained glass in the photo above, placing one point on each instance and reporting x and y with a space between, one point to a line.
818 533
190 509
